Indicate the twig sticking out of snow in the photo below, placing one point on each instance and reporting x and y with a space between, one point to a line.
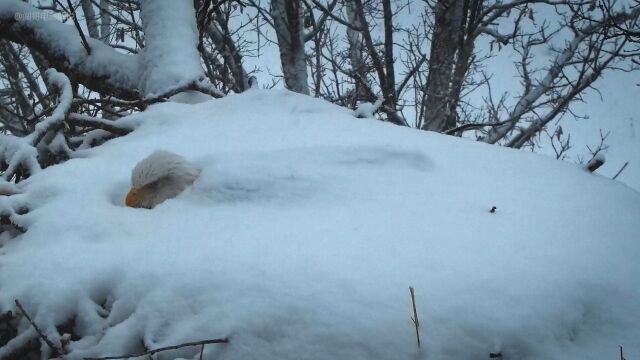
174 347
620 171
595 163
44 338
416 323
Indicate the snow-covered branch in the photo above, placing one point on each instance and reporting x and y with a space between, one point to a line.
56 119
105 70
19 155
366 110
165 70
101 68
96 123
569 56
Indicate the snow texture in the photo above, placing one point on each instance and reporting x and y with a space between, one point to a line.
303 232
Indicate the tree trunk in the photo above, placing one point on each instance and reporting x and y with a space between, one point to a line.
356 55
287 20
451 51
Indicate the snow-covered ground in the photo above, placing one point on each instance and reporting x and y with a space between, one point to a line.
305 230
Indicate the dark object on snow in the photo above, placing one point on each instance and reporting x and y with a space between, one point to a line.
253 82
7 329
595 163
416 323
495 355
493 209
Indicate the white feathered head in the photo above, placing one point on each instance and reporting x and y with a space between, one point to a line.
160 176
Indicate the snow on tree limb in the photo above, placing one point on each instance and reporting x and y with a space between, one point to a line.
152 73
287 22
7 188
105 70
62 83
95 123
20 154
564 59
366 110
14 153
171 58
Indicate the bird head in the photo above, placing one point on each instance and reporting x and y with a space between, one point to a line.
160 176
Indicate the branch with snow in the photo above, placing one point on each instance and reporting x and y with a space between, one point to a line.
57 350
96 123
11 210
164 70
105 70
101 68
366 110
56 119
19 156
590 52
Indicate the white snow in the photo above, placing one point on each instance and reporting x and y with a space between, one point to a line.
169 24
367 109
305 229
15 151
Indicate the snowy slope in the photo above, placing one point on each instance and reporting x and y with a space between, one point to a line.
305 230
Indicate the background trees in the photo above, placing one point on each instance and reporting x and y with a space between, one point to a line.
426 61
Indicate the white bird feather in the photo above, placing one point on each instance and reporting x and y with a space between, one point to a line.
160 176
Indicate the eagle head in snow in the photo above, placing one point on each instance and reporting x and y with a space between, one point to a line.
160 176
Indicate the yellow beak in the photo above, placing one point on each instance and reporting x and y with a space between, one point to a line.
132 198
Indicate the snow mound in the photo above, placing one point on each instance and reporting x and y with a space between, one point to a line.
303 233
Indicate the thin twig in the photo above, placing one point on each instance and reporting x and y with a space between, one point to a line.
174 347
74 17
416 323
37 329
620 171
